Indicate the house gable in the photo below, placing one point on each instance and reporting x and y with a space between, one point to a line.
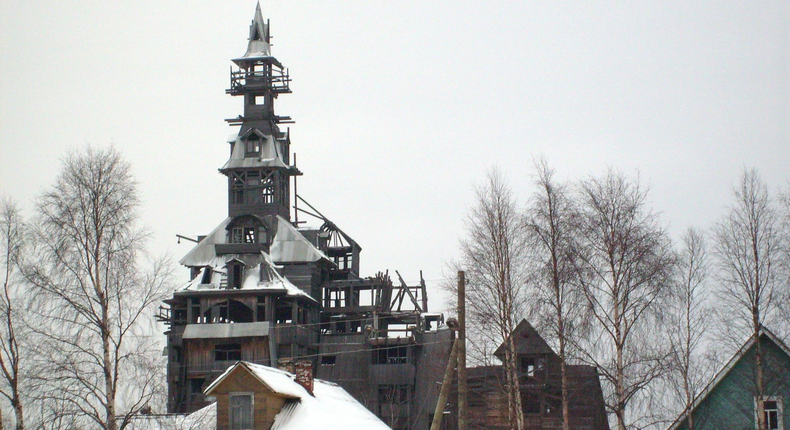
266 402
729 400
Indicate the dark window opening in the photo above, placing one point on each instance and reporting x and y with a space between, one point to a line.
235 274
395 394
195 388
227 352
328 360
392 398
237 189
252 146
533 367
530 403
771 414
283 313
391 355
231 311
206 279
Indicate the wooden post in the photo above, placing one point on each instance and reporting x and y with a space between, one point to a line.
436 424
462 389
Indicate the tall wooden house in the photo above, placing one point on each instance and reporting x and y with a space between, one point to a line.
263 288
730 399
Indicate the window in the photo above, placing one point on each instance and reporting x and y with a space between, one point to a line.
391 355
391 396
253 145
235 274
240 411
227 352
260 100
772 408
534 367
249 235
328 360
195 388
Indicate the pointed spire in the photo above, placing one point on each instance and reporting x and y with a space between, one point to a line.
258 45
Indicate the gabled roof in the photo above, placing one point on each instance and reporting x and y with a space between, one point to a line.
277 381
527 341
764 332
330 406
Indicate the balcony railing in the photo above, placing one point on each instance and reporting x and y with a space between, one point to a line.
278 81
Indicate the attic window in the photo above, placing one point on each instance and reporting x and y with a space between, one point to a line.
533 367
243 235
772 407
252 145
206 279
234 277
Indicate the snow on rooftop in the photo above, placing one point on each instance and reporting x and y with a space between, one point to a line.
289 246
330 406
203 419
271 280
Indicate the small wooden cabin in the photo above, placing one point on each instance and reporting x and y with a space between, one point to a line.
255 397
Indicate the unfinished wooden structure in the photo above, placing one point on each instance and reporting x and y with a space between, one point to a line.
540 387
262 288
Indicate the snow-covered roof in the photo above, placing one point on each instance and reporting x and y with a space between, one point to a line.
202 419
260 274
269 155
288 246
330 406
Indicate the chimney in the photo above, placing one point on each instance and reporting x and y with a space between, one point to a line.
304 375
286 364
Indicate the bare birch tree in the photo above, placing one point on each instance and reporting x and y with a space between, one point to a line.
750 247
690 319
493 256
550 227
627 259
12 234
92 293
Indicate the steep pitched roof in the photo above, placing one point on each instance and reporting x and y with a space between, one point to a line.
289 246
527 341
722 374
330 406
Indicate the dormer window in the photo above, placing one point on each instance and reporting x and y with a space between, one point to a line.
252 145
243 235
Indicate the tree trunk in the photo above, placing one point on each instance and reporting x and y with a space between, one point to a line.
17 405
566 419
514 394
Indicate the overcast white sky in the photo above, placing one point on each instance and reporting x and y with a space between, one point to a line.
401 106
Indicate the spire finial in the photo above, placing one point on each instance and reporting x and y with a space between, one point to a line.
259 35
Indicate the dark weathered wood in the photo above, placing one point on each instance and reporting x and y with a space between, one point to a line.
438 414
462 388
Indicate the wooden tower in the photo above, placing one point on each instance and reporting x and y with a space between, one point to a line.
266 290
